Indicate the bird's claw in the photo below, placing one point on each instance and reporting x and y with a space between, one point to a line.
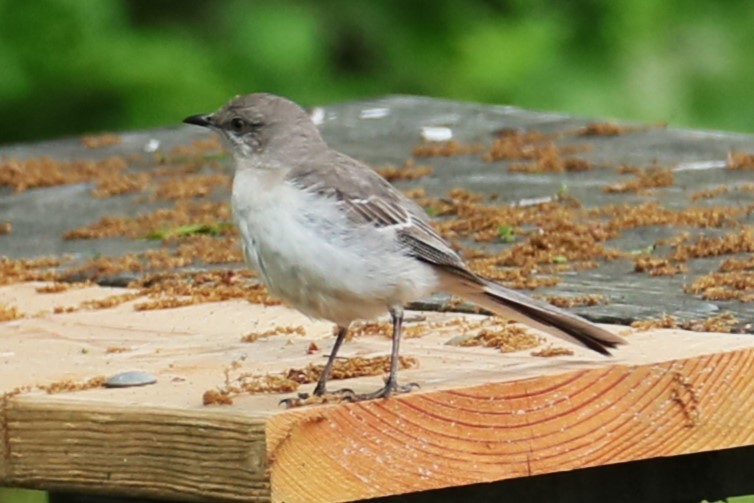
390 388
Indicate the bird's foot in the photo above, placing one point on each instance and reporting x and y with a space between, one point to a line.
390 388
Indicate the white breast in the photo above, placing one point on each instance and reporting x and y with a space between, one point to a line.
313 257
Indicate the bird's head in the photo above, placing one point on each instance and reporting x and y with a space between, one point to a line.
262 125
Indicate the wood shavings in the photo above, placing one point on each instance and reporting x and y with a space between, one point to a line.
200 147
729 285
117 349
659 266
740 241
64 309
192 186
100 140
513 144
737 264
740 160
109 301
290 380
22 270
347 368
552 162
723 322
409 171
9 313
185 212
385 329
652 177
550 352
279 330
444 149
576 300
22 175
121 183
538 147
603 129
69 385
709 193
507 338
665 321
629 216
58 286
177 290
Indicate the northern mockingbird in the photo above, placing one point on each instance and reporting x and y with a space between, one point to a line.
336 241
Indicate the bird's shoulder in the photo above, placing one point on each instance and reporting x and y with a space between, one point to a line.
358 187
368 198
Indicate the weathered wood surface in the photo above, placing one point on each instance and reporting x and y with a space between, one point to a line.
480 416
383 131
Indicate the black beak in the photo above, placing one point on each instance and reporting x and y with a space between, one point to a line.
204 120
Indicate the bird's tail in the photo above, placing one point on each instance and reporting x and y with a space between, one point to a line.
513 305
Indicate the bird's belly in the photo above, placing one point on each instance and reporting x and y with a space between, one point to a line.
319 263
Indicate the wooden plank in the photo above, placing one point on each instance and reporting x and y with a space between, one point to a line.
697 160
480 416
134 450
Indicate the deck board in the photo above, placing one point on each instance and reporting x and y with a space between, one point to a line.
480 415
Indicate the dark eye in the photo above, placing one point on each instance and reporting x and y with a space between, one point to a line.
237 125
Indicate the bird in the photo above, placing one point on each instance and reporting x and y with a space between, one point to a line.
336 241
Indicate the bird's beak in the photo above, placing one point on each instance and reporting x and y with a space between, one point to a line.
204 120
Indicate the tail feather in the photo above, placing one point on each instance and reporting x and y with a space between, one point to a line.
513 305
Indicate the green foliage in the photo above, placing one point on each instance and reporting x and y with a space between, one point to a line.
22 496
507 233
72 66
191 230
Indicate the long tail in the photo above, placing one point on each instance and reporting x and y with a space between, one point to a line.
513 305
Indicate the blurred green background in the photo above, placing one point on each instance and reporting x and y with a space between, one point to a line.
73 66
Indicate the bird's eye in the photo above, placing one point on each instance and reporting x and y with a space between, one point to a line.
238 125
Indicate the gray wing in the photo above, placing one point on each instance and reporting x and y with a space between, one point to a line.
370 199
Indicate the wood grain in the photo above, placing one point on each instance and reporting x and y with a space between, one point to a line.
480 416
505 430
134 451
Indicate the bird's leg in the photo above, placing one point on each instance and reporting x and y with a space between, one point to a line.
321 388
391 383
